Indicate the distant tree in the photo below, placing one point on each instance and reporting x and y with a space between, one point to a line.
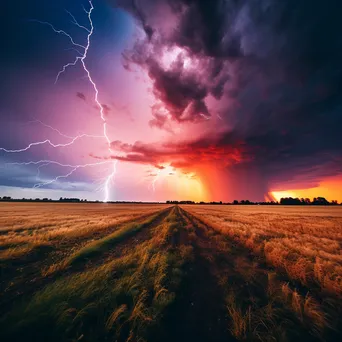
334 202
320 201
290 201
7 198
235 202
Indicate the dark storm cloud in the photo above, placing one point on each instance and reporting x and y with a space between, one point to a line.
160 119
106 109
139 13
81 96
181 92
181 154
274 67
203 27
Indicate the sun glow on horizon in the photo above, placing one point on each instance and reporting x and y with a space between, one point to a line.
330 188
179 185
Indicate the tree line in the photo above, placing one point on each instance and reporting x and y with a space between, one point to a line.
283 201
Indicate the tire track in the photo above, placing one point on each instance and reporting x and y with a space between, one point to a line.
198 313
254 314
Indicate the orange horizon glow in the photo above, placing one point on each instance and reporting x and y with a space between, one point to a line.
331 189
180 185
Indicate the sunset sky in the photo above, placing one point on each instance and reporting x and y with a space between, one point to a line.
201 100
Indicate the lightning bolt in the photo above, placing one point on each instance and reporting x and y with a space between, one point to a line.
82 54
153 184
42 163
160 172
82 59
38 170
90 33
48 141
50 127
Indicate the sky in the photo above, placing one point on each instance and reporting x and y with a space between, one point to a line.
196 100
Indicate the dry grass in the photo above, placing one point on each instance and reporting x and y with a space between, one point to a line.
128 293
85 272
241 321
101 245
34 225
304 242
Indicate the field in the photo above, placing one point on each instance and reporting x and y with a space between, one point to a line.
98 272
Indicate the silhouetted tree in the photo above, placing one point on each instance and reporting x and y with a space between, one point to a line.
320 201
290 201
245 202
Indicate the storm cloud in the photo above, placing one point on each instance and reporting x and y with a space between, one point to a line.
272 69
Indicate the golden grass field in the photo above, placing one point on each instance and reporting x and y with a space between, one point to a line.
105 272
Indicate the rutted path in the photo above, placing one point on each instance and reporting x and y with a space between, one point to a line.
198 313
172 277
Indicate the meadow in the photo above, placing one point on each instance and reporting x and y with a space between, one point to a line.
124 272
